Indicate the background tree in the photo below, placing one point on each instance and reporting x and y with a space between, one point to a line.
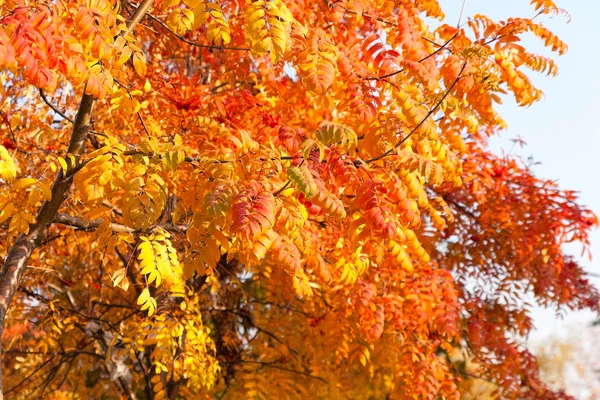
570 362
271 199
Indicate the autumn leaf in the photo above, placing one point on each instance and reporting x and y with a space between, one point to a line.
8 170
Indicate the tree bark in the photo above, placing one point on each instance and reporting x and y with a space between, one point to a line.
20 253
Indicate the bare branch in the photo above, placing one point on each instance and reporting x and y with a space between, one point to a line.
90 226
54 108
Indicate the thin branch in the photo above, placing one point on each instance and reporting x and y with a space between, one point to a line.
429 114
65 376
90 226
130 273
462 11
282 189
294 310
54 108
286 184
275 366
10 129
383 21
69 353
107 305
131 98
461 207
38 369
473 376
440 48
248 318
196 44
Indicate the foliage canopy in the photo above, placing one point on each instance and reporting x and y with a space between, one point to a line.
271 199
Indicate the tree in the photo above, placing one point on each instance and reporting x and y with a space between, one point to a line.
271 199
571 362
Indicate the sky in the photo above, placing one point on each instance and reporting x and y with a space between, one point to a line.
560 130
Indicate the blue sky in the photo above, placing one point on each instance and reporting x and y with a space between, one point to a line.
561 131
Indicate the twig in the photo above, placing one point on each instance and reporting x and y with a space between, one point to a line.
429 114
138 113
38 369
440 48
190 42
462 11
90 226
54 108
275 366
265 303
383 21
12 133
282 188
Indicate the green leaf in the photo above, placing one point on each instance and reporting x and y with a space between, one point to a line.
303 180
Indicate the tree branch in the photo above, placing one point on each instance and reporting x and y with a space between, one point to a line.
412 132
279 367
54 108
90 226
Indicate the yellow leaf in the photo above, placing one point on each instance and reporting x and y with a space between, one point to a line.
363 360
139 63
45 189
24 183
119 279
7 212
8 169
63 164
20 223
144 296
